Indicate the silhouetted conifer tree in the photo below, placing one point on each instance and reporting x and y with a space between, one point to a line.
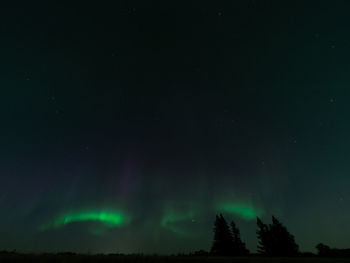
223 242
283 242
264 243
239 248
275 240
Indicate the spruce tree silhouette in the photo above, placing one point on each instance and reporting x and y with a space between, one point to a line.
239 248
275 240
263 235
223 243
283 243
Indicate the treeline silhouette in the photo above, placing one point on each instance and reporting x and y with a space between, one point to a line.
274 240
326 251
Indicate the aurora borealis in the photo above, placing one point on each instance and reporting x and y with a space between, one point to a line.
171 220
127 126
106 217
242 210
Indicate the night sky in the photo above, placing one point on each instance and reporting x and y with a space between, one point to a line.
127 125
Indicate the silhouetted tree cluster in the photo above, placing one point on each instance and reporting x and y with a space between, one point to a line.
326 251
227 242
275 240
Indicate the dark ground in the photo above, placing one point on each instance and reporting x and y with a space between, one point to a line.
10 257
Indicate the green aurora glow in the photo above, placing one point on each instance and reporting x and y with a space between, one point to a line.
108 218
244 211
171 220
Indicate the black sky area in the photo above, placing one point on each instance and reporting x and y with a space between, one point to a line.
169 112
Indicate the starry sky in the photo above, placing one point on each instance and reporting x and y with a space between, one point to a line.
127 125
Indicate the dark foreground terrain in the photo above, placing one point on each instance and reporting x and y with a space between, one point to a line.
12 257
